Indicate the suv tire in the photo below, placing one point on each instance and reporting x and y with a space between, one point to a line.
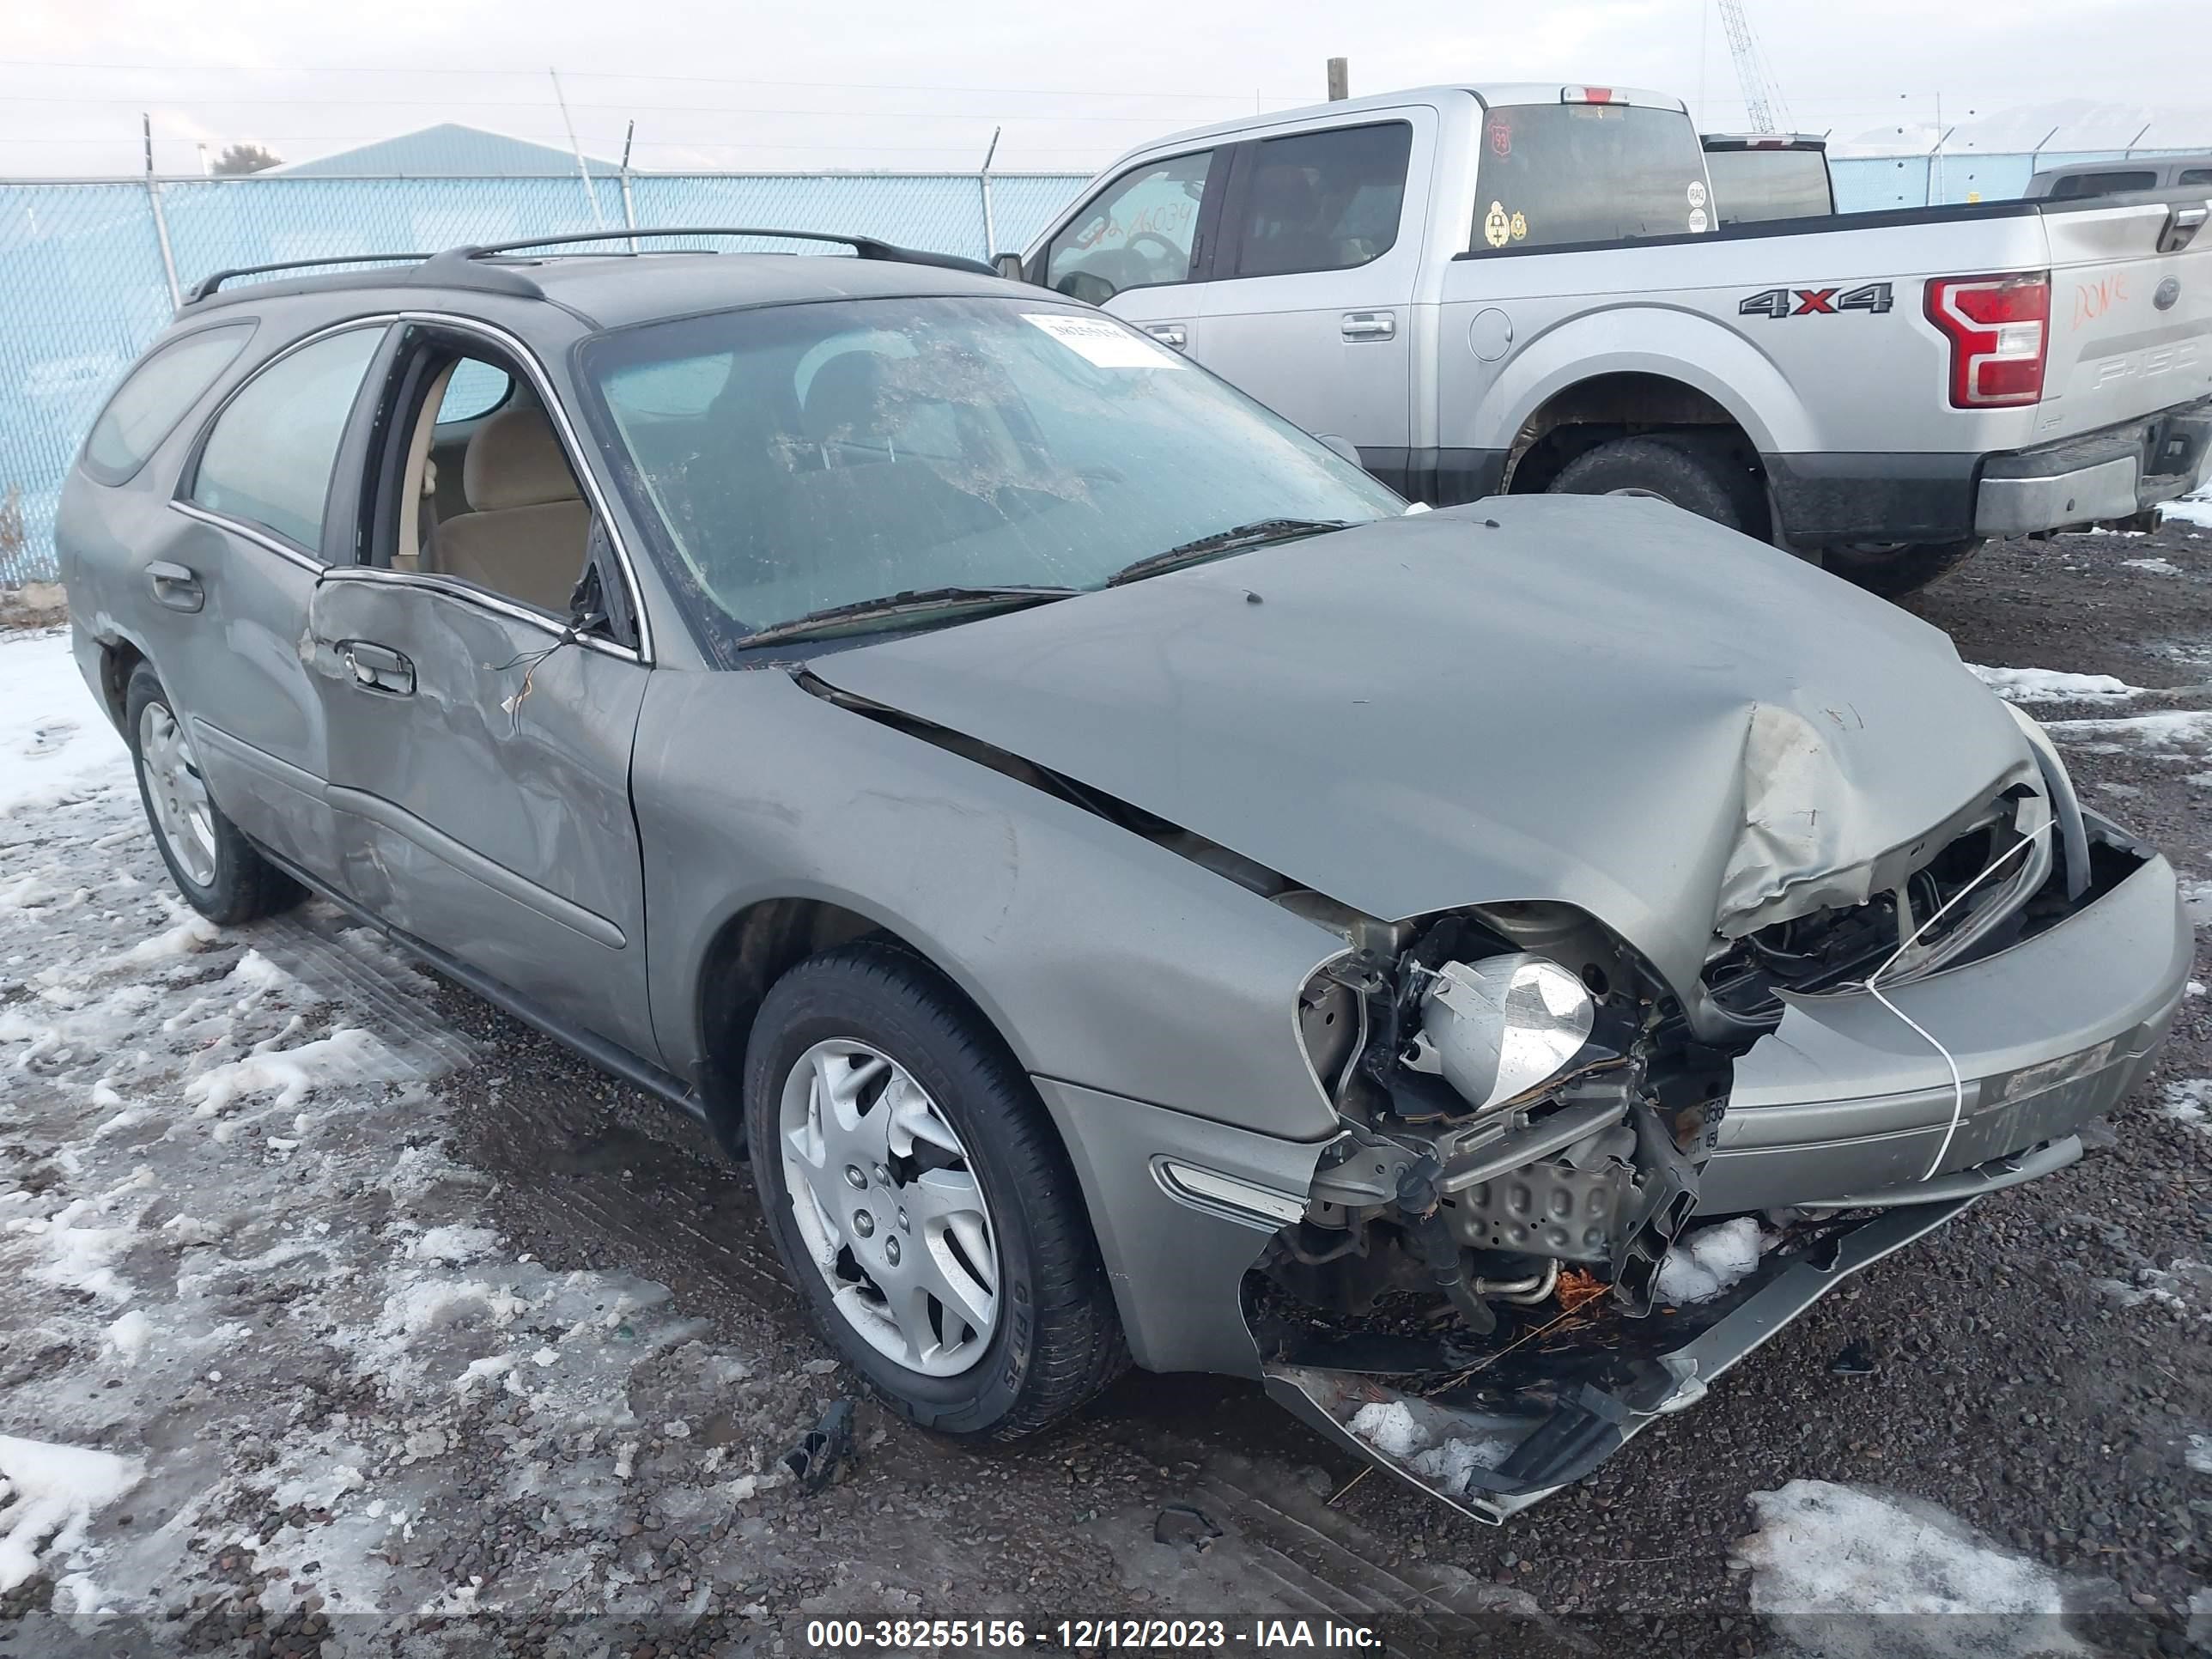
1892 571
220 872
854 1226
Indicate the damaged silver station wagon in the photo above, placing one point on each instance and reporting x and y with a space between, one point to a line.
1137 890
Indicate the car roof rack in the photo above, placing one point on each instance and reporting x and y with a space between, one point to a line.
479 265
866 247
215 279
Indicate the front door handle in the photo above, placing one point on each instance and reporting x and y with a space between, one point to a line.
1167 334
378 667
176 586
1369 324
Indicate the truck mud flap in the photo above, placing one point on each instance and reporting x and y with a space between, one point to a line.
1533 1415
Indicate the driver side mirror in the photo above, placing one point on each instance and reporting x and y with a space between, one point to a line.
1343 447
1009 265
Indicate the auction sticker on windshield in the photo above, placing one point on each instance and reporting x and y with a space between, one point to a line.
1102 344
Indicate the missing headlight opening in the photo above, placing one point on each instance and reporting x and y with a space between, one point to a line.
1528 1105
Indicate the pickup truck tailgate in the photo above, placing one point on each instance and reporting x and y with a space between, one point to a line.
2131 326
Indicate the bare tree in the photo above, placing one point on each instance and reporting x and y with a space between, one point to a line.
239 159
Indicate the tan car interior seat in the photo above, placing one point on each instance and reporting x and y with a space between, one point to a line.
528 524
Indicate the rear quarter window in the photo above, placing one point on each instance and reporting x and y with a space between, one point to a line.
1554 174
154 397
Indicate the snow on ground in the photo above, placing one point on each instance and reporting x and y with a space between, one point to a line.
2052 685
1702 1265
1846 1574
2156 567
2192 509
259 1339
2190 1101
2177 726
1449 1460
56 743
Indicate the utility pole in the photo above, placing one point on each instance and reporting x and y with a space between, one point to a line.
630 207
1339 80
583 172
160 219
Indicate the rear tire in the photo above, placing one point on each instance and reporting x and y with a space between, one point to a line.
1019 1236
1893 571
218 870
1697 479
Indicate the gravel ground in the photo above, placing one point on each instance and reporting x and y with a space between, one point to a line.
534 1321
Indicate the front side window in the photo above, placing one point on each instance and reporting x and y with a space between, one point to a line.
268 461
800 458
1324 201
155 398
1554 174
1140 231
2105 184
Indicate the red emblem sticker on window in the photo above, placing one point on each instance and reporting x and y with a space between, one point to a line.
1501 136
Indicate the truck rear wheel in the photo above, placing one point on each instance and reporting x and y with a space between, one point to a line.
1690 477
1895 570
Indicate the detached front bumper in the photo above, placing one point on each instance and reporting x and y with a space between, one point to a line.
1844 1105
2114 473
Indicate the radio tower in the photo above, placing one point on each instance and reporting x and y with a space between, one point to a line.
1762 99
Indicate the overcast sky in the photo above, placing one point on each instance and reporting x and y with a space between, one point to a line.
918 85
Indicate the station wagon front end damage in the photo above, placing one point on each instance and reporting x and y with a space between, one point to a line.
1474 1295
1652 935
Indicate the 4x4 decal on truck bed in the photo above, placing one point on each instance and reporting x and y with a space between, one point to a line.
1780 303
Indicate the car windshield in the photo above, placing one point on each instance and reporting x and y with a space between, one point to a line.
798 459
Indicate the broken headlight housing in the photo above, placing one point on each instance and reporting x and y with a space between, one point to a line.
1496 1029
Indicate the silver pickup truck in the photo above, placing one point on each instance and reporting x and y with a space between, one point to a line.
1526 288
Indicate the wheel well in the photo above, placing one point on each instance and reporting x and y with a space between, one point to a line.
1607 406
753 949
117 662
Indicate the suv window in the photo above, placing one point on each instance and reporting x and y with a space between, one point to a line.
1138 232
269 458
2105 184
1324 201
154 397
2195 176
475 390
1553 174
1754 185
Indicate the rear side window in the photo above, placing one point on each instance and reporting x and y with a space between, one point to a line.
1751 186
1324 201
154 398
268 461
2195 176
1554 174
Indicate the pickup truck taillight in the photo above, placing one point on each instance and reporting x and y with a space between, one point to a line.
1998 327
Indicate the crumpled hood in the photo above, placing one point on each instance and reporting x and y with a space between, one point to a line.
1606 703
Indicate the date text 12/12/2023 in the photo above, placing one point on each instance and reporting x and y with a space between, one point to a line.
1092 1635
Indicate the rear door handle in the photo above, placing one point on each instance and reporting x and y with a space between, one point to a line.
176 586
378 668
1167 334
1369 324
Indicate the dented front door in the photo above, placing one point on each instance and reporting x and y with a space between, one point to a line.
479 772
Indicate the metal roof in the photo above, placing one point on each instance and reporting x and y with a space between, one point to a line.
448 150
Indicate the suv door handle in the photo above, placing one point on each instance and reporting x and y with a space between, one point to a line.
1369 324
175 585
1167 334
378 667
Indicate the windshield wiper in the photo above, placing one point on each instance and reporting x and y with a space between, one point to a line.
914 603
1257 533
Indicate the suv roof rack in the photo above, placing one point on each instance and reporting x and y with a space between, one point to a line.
866 247
475 266
215 279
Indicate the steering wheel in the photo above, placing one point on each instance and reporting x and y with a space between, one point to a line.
1170 254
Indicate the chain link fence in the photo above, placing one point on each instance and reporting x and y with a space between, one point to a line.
89 270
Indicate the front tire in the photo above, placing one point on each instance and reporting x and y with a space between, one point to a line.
921 1200
217 870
